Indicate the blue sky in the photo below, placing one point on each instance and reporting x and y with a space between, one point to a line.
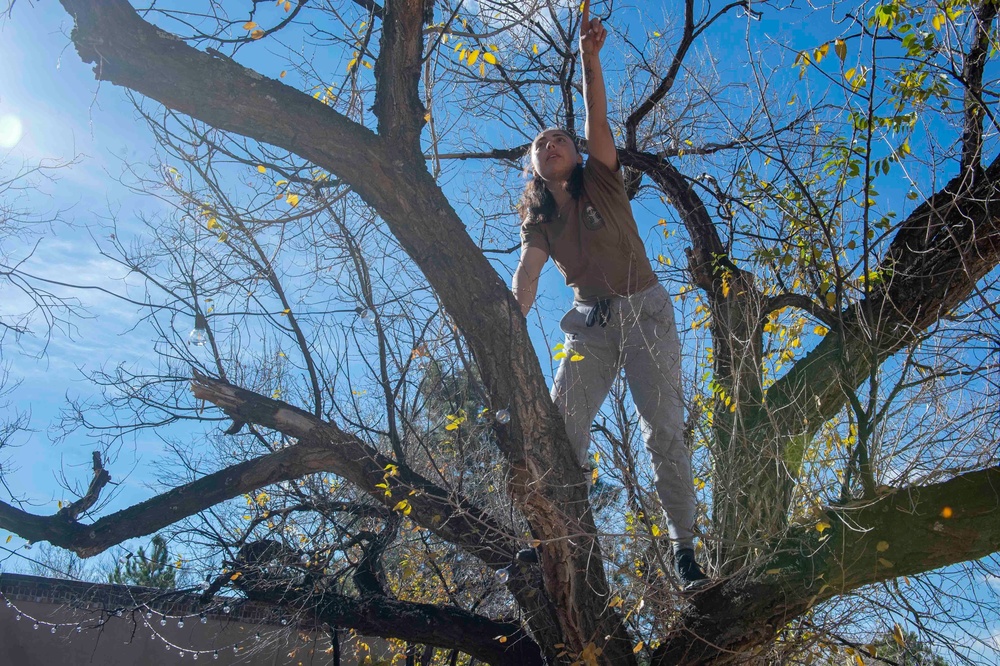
66 117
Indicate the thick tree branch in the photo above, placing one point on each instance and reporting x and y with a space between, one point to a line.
89 499
490 641
935 260
322 447
398 107
972 76
904 533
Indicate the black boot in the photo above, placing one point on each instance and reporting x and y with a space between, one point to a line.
527 556
689 572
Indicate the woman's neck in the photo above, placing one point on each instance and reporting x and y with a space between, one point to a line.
559 193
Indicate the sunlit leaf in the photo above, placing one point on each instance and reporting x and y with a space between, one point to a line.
473 57
249 25
490 58
261 168
257 34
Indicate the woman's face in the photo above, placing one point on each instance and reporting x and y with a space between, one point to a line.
554 155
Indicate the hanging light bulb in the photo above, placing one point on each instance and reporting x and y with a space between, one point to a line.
204 619
502 575
198 337
503 416
52 631
180 624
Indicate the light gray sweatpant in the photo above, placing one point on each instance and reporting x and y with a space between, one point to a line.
640 336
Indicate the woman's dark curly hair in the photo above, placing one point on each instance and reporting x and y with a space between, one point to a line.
537 205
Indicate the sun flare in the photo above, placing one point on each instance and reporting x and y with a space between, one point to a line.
11 130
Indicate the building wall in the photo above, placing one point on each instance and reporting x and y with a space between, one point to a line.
108 625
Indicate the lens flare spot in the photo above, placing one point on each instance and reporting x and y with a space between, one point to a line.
11 130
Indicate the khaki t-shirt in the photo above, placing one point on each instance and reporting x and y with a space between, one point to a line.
595 242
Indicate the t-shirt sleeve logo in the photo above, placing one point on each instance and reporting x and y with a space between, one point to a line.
592 219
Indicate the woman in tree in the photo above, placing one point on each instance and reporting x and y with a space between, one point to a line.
579 214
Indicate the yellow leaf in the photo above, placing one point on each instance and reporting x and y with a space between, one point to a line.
501 638
286 312
822 526
840 46
292 200
350 66
637 647
946 512
655 530
59 504
773 572
257 34
288 6
261 168
938 21
558 357
897 635
882 546
223 237
235 575
593 476
821 330
282 75
366 64
849 74
558 347
249 25
858 660
473 57
534 49
490 58
451 426
885 563
656 34
576 357
482 69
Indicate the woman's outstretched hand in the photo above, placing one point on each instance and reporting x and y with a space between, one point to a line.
592 32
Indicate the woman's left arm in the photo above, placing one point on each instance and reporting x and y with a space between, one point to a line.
600 143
